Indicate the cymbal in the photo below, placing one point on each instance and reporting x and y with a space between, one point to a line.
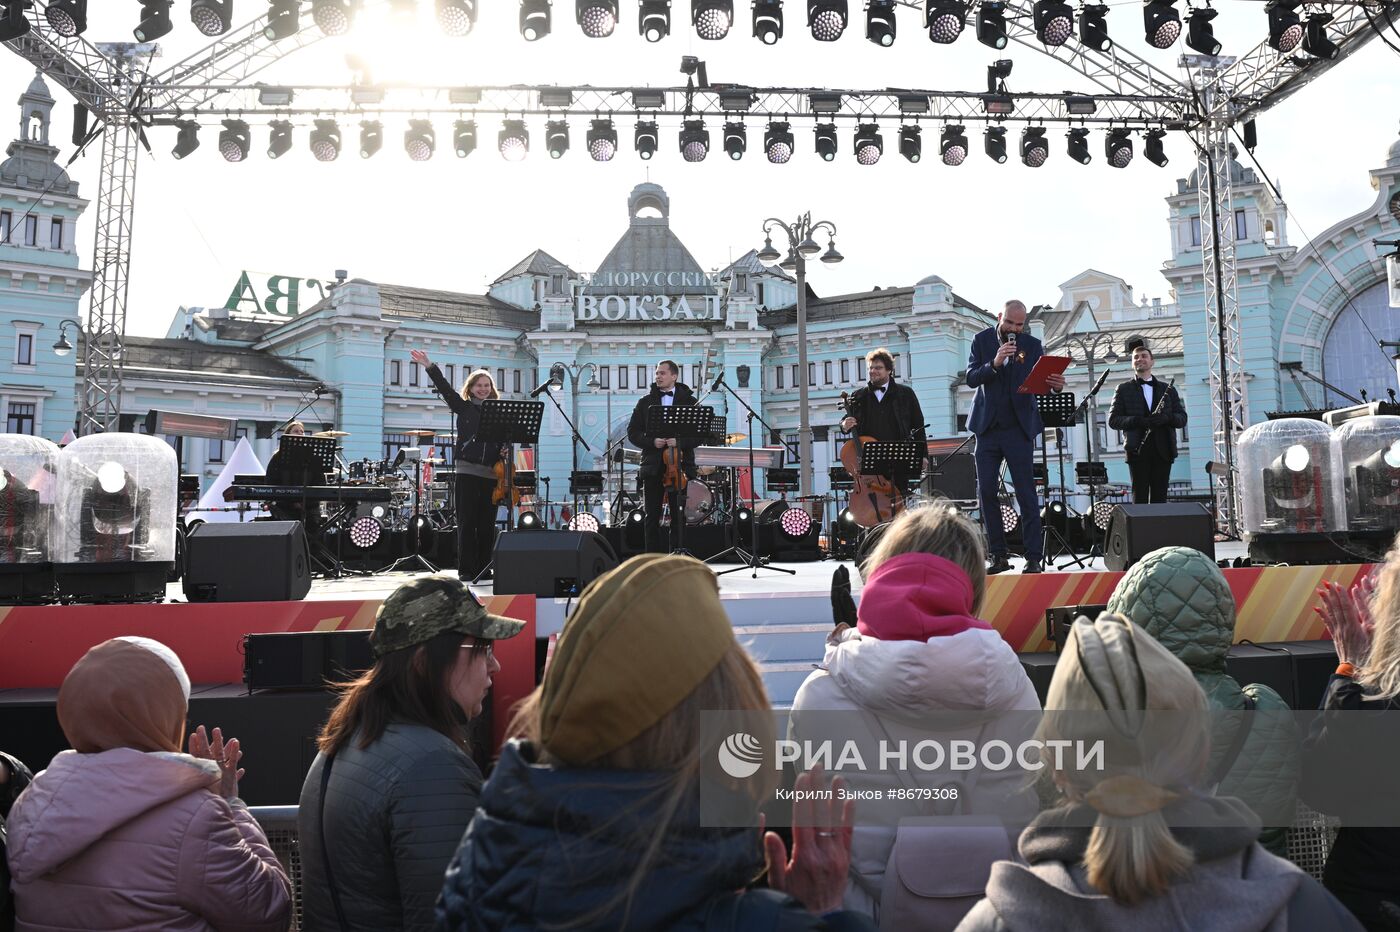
420 433
331 433
731 439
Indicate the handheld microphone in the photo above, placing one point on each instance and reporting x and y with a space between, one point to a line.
542 389
718 379
1011 338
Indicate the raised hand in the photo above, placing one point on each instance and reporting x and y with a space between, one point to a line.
421 358
226 754
821 845
1346 614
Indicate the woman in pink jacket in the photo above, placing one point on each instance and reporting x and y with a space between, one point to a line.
125 832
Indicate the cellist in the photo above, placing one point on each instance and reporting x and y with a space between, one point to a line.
666 390
884 409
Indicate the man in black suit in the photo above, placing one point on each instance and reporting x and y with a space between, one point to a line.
1149 412
665 391
884 409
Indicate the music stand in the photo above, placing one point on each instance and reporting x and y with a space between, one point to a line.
898 459
584 483
1057 410
683 422
310 459
1093 474
508 422
309 453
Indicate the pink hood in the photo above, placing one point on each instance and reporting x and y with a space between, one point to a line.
914 597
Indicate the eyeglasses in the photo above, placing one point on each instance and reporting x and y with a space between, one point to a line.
489 650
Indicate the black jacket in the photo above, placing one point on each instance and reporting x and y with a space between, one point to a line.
544 848
908 416
639 438
1129 414
20 777
469 449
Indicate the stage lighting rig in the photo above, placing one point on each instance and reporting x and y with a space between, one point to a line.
880 22
1054 22
991 24
283 19
736 140
534 19
212 17
945 20
994 144
826 140
155 20
1285 29
597 18
333 17
234 141
1315 41
997 100
868 144
1200 34
1118 148
695 141
513 141
778 143
712 18
1153 149
1161 23
371 137
654 19
1093 27
1078 145
464 138
68 18
644 139
768 20
419 140
456 17
187 138
325 140
556 138
1034 149
827 19
911 142
279 140
952 146
602 140
1293 489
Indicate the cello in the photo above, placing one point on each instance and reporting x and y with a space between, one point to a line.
874 499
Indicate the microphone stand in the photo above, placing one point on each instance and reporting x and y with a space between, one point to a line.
1095 550
578 438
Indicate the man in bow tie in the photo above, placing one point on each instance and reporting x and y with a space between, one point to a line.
1149 413
665 391
885 409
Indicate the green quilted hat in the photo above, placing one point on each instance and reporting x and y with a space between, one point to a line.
423 608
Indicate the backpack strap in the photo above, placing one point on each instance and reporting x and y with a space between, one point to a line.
325 852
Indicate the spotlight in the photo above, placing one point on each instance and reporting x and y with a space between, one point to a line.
880 22
795 523
1054 21
602 141
365 532
827 19
1200 34
68 18
778 143
1315 41
994 143
1093 27
325 141
945 19
534 19
911 142
1162 23
1034 149
464 137
826 140
333 17
952 146
279 140
712 18
371 137
1009 518
556 138
1285 31
1152 147
514 140
155 20
1378 488
419 141
644 138
1118 148
1078 145
695 141
1293 491
1103 512
869 146
234 140
768 20
991 24
584 521
456 17
654 19
597 18
736 140
212 17
187 140
282 19
528 521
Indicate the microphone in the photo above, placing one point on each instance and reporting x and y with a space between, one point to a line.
544 387
1011 338
718 379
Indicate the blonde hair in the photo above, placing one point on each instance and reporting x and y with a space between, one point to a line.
1380 669
940 529
478 374
673 747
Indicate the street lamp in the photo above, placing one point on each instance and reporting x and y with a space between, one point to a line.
1089 348
574 371
801 247
62 347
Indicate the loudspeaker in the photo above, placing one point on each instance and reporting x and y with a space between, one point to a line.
550 564
1136 530
261 561
305 659
956 479
1058 619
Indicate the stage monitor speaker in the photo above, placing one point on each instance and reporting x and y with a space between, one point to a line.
305 659
956 478
1059 618
1134 531
550 564
260 561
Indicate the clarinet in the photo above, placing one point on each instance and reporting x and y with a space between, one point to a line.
1156 409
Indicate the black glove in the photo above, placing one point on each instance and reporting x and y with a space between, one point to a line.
843 607
1160 419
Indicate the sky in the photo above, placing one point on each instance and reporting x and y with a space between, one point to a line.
992 231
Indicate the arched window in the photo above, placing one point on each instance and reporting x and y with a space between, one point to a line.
34 127
1351 360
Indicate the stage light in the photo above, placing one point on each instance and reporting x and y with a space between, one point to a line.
534 19
187 140
282 19
1093 27
513 140
464 137
332 16
325 141
1285 30
736 140
597 18
602 141
743 516
654 19
695 141
778 144
68 18
456 17
1054 22
279 140
911 142
868 145
1118 148
528 521
994 144
155 20
880 22
1292 487
1152 147
827 19
584 521
1200 34
1034 149
1078 145
556 138
712 18
1162 23
1009 518
1315 41
419 141
768 20
945 19
111 477
644 138
952 145
991 24
1378 489
1103 511
795 523
365 532
371 137
826 140
211 17
234 141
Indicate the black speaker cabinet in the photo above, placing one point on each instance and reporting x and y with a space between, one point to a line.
1134 531
305 659
956 478
1059 618
550 564
261 561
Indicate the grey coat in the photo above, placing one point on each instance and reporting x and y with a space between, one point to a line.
395 813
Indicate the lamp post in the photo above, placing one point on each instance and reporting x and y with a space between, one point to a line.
574 370
61 346
1089 348
801 247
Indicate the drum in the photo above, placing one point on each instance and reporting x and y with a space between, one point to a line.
360 471
699 503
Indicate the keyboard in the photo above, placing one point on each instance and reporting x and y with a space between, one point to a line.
314 493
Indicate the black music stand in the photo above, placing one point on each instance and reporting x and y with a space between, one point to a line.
1057 411
683 422
1093 474
583 484
750 560
308 460
508 422
898 459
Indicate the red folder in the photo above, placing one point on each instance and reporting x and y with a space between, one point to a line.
1044 366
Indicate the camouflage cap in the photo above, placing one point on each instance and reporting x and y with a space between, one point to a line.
424 608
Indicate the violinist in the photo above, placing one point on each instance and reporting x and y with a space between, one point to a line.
665 391
884 409
474 463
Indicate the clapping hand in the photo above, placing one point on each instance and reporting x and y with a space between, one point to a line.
821 845
225 754
1346 614
843 607
421 358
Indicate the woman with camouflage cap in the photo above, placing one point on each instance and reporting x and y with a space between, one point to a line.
391 792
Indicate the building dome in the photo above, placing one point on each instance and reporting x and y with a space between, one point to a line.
1392 158
932 280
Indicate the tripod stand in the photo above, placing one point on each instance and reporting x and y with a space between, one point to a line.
1091 472
1057 411
507 423
683 423
417 522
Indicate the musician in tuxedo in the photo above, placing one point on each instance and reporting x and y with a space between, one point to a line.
884 409
666 390
1006 424
1149 412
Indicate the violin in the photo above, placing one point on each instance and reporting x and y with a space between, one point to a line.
874 499
672 474
503 485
